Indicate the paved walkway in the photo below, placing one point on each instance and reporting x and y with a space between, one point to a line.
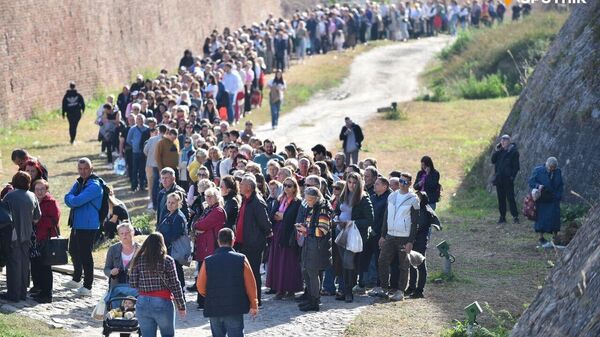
276 318
377 78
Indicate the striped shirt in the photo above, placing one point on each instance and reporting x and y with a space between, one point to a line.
145 280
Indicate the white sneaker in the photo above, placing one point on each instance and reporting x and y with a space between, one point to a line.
150 205
262 269
72 284
398 296
83 292
358 289
377 292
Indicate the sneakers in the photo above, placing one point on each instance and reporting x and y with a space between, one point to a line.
358 289
72 284
502 220
547 245
416 294
150 205
83 292
516 220
398 296
262 269
377 292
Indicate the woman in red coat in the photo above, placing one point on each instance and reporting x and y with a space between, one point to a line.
206 229
46 228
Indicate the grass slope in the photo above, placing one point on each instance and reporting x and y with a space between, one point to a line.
15 325
495 264
493 62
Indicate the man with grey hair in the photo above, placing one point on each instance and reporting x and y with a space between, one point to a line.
167 178
136 138
548 180
506 166
252 228
85 201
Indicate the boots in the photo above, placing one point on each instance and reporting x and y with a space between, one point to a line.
349 281
311 305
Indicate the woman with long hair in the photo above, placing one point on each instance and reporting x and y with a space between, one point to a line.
428 181
283 273
153 274
354 206
277 86
231 197
117 213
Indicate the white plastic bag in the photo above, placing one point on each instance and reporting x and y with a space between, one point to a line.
120 166
99 309
354 241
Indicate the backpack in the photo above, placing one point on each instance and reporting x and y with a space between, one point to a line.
103 211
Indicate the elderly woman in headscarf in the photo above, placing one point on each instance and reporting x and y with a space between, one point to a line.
547 180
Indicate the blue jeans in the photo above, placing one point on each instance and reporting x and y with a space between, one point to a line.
232 326
230 105
138 176
275 108
153 312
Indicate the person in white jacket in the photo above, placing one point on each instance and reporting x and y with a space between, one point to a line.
397 237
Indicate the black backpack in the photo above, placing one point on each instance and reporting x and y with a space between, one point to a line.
103 211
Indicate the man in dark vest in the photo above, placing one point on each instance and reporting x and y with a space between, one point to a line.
227 283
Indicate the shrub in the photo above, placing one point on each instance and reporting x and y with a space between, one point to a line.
491 86
461 43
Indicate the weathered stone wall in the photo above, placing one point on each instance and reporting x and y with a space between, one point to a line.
558 112
100 43
567 305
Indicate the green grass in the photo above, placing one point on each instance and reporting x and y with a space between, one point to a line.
15 325
492 62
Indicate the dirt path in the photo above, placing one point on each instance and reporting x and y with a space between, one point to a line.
377 78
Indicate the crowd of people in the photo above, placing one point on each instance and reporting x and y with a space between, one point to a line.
242 201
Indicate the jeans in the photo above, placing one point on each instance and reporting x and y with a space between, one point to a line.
232 326
351 157
370 253
329 280
153 312
230 111
138 176
275 109
73 118
81 243
155 186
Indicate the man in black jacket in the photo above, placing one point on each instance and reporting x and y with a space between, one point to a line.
252 228
352 137
73 106
506 163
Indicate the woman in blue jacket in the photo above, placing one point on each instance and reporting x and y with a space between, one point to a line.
548 178
172 227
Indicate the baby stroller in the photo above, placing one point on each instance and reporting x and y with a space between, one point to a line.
118 318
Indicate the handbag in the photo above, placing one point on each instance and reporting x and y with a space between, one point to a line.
181 250
54 251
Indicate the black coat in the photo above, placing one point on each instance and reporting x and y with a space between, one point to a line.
432 185
72 102
257 225
357 132
506 162
232 208
288 230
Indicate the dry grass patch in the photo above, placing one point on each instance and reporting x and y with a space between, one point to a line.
495 264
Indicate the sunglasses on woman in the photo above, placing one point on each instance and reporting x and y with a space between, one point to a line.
288 185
